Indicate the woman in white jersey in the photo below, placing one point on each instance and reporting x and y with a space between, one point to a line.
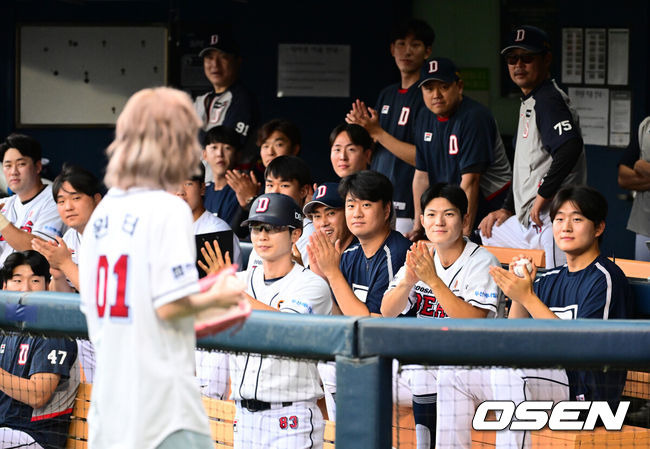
139 288
448 277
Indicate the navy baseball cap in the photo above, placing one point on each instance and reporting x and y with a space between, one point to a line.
440 69
529 38
275 209
326 194
220 41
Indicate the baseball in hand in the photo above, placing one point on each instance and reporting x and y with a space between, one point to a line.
519 267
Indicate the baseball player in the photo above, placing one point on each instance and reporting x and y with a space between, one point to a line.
139 288
634 174
30 212
76 192
350 149
290 176
361 274
191 191
229 104
448 277
38 376
391 122
588 286
457 141
221 151
549 150
276 398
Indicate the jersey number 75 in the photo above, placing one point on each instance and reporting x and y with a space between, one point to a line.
119 308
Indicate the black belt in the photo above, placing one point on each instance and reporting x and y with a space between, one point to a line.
253 405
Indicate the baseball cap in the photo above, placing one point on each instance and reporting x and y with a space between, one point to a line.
276 209
440 69
220 41
326 194
528 38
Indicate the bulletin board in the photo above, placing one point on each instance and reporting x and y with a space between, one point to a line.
83 75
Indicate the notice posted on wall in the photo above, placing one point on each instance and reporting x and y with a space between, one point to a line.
572 55
620 118
592 105
313 70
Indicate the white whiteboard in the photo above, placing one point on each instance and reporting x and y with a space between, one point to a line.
83 75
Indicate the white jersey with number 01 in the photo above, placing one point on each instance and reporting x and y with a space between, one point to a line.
137 255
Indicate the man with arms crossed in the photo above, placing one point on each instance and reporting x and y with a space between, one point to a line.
588 286
549 152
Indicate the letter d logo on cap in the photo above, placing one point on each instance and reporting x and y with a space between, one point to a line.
521 33
214 39
433 66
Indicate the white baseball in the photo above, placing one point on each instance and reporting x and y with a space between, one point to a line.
519 266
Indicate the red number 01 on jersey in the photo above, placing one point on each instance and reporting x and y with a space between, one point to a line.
119 309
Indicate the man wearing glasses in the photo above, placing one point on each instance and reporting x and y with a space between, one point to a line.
276 397
549 151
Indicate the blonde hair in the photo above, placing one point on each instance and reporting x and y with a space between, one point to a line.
156 141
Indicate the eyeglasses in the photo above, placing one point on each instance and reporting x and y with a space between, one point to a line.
526 58
268 228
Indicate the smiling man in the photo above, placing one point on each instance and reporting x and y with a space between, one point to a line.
549 152
31 211
230 103
458 143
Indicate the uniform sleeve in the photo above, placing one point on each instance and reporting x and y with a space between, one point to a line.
313 298
481 290
554 122
53 355
476 142
47 223
242 113
172 265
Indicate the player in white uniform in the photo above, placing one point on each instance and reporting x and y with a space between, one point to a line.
139 282
31 212
76 192
447 278
276 398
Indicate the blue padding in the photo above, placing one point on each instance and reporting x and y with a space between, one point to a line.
641 291
311 336
51 312
524 343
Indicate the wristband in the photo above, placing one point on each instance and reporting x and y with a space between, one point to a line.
3 222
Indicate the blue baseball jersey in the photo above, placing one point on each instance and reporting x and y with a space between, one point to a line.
397 109
221 202
236 108
24 356
599 291
370 277
466 142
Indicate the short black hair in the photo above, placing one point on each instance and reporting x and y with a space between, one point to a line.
26 145
199 173
284 126
368 185
452 193
79 178
289 168
39 264
222 134
591 202
358 135
418 28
